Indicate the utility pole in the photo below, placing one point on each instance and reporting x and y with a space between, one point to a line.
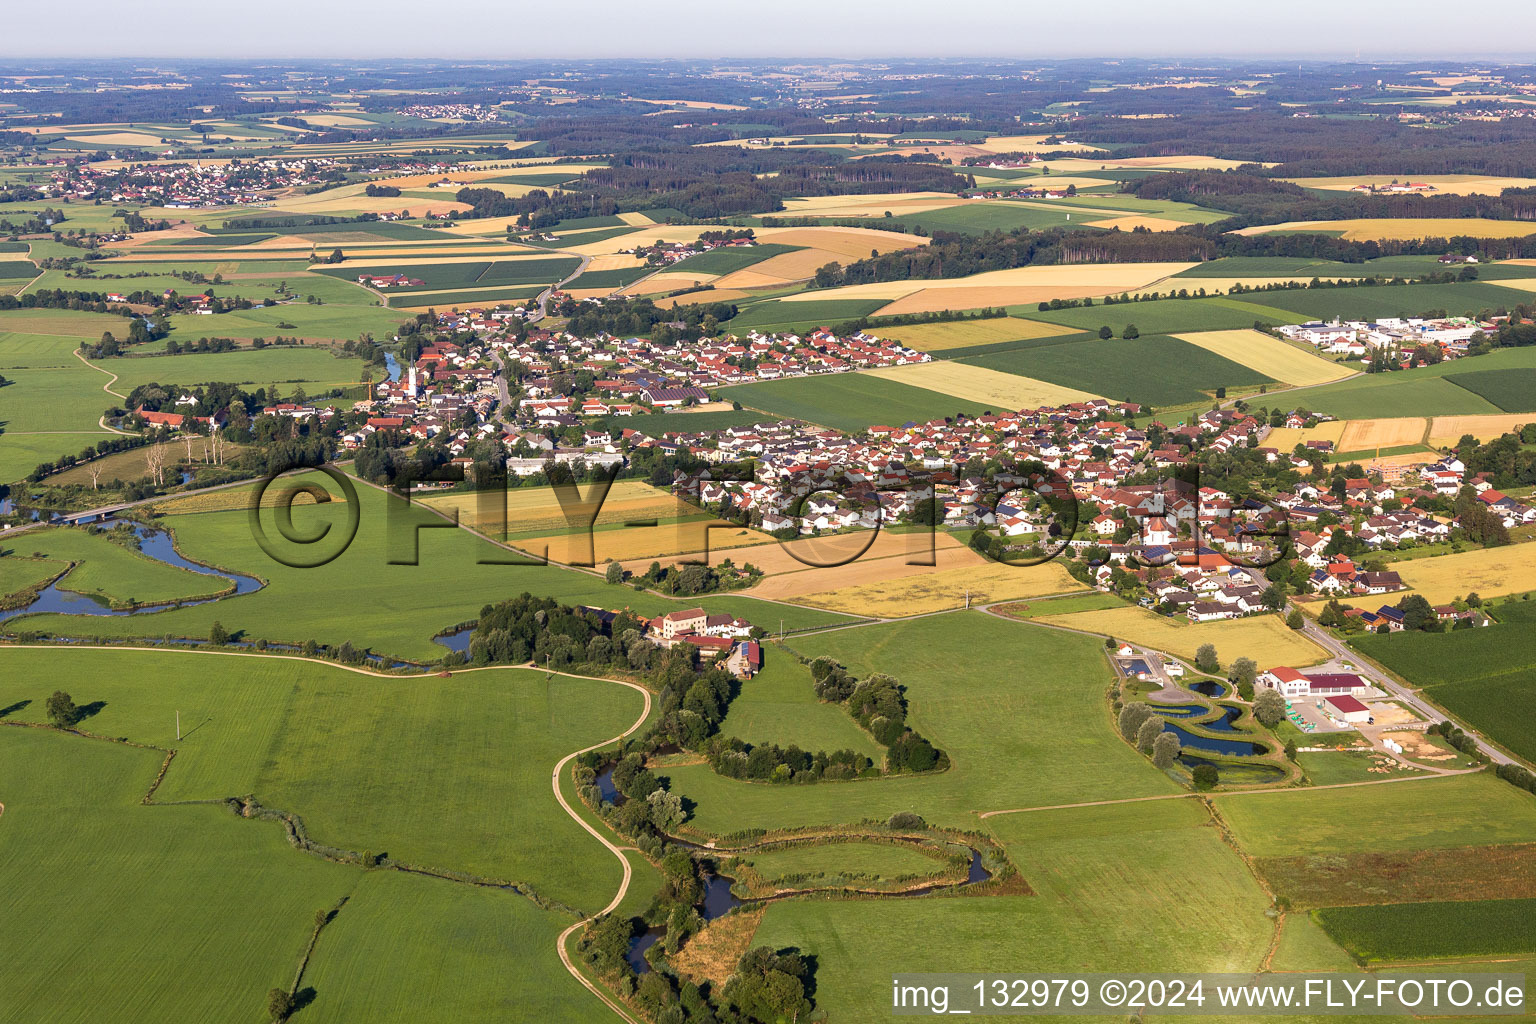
178 727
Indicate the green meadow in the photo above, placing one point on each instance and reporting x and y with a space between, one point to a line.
1036 732
848 401
1423 931
1422 391
169 913
361 597
445 773
1153 369
107 570
1105 883
1421 814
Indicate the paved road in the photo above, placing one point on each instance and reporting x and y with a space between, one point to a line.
545 294
1335 647
503 392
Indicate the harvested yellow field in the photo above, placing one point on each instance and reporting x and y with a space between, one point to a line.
867 571
1066 281
338 120
615 261
1361 435
119 138
638 220
946 589
1269 356
750 279
1264 638
993 388
781 269
1446 184
870 205
645 543
852 243
1525 284
1405 228
964 333
1487 572
659 284
1030 143
1131 223
1286 438
1447 430
816 554
537 510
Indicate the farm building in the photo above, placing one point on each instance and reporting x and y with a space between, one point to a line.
1292 683
1349 709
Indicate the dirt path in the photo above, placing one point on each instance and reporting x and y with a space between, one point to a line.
1224 793
107 387
617 851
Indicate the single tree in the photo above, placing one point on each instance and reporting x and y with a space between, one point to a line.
1130 333
217 634
279 1004
1294 619
1269 708
614 573
1290 749
1206 776
1165 750
1148 733
1205 658
1106 332
62 711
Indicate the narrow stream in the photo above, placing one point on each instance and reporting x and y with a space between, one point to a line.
153 543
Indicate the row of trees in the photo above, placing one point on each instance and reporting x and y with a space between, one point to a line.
879 705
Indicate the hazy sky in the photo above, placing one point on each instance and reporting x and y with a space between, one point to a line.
778 28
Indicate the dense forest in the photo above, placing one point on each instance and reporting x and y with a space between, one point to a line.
1254 200
708 183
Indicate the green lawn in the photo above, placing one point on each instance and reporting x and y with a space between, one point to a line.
109 570
309 367
360 597
1486 677
1510 390
1162 316
1034 733
1394 300
1422 391
53 403
726 259
1464 810
779 706
1146 887
447 773
119 912
848 401
421 949
778 315
1423 931
1153 369
980 217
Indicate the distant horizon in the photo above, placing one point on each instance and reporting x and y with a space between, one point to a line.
461 30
